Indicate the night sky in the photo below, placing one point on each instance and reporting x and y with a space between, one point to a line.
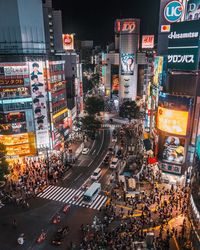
94 19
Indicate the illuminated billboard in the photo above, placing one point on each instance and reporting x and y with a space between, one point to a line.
172 121
68 41
157 70
147 41
173 149
127 26
127 64
39 103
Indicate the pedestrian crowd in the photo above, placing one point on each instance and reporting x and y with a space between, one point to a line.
33 178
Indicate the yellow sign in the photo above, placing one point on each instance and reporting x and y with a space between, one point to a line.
172 121
60 113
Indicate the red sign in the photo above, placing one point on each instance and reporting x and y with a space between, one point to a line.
128 26
11 81
147 42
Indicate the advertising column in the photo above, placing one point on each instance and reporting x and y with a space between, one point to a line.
129 30
39 103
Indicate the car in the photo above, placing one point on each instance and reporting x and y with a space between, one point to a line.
96 175
85 151
106 160
59 236
114 163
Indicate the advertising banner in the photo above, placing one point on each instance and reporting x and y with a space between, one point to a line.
127 26
175 169
68 41
39 103
193 10
11 82
127 64
183 48
174 149
157 70
147 41
115 83
172 121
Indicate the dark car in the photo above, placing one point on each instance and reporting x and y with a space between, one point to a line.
59 236
106 160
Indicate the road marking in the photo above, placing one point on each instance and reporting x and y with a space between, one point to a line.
67 195
80 163
78 176
93 152
67 176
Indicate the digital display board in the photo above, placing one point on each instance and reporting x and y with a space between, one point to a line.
172 121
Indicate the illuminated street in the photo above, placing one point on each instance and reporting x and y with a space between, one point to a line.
99 125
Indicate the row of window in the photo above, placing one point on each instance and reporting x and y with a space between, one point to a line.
15 106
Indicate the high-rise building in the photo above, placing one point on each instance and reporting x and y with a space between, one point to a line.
128 31
33 106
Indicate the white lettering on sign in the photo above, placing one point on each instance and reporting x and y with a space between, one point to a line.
174 35
180 58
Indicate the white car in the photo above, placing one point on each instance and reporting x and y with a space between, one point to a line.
96 175
114 163
85 151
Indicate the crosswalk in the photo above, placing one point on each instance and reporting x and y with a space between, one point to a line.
71 196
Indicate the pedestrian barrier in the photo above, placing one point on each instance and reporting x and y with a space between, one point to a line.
71 196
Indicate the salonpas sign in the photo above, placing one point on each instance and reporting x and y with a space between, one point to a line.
183 48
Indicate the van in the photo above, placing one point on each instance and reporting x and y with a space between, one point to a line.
114 163
96 175
91 194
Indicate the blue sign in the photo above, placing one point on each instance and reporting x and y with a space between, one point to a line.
173 11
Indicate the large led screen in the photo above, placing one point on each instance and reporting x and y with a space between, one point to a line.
172 121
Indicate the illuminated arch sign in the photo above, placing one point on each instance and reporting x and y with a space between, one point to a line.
173 11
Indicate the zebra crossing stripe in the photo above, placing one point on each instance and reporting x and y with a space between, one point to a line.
73 194
50 195
45 191
99 201
60 193
57 193
69 195
1 204
60 197
78 194
94 201
101 204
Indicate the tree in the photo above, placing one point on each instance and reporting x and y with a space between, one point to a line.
129 109
4 168
90 125
94 105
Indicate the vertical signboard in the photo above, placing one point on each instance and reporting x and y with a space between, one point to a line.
183 48
127 64
39 103
68 41
147 41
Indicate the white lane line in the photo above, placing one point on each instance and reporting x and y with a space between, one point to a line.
104 200
95 201
97 204
69 198
51 194
93 152
78 194
59 198
48 191
80 163
67 176
92 146
101 143
78 201
78 176
45 191
70 194
58 193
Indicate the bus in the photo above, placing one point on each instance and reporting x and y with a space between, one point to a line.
91 193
